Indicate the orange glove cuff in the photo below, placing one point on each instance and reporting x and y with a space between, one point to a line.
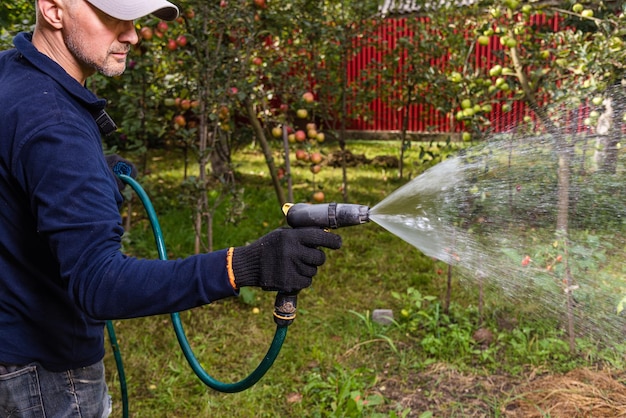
229 267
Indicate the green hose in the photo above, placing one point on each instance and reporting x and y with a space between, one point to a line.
254 377
120 367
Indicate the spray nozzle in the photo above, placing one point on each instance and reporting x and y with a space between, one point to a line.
322 215
325 215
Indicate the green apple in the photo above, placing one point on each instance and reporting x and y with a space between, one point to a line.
511 43
277 132
587 13
456 77
496 70
469 112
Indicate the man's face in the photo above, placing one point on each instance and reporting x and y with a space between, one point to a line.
97 41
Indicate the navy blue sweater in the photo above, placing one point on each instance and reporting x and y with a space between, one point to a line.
62 272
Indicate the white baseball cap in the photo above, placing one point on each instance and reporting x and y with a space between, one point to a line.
135 9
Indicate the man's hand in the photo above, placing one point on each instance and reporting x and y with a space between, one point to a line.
284 260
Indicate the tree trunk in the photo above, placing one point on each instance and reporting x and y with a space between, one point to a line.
564 151
342 131
267 151
287 165
202 202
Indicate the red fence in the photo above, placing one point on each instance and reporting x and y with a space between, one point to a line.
423 118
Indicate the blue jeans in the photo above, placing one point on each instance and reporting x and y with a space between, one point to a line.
33 392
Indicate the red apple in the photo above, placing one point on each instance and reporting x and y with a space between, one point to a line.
181 40
224 112
318 196
171 45
300 135
185 104
257 61
162 26
301 155
316 157
261 4
308 97
146 33
315 168
180 120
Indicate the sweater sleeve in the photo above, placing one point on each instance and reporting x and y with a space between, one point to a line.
74 200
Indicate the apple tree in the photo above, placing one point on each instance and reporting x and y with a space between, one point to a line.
565 64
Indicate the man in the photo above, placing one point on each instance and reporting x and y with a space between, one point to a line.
61 270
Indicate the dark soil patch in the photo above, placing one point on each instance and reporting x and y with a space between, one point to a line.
446 392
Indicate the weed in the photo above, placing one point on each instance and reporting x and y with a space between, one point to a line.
343 393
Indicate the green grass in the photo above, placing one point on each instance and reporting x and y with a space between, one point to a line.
334 355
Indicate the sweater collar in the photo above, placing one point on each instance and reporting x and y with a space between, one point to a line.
24 45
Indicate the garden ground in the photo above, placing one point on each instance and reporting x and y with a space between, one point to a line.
447 392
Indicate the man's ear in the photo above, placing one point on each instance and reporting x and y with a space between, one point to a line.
51 12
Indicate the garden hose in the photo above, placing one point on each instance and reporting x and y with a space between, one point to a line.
284 314
328 216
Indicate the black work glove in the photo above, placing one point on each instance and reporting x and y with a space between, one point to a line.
284 260
120 165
